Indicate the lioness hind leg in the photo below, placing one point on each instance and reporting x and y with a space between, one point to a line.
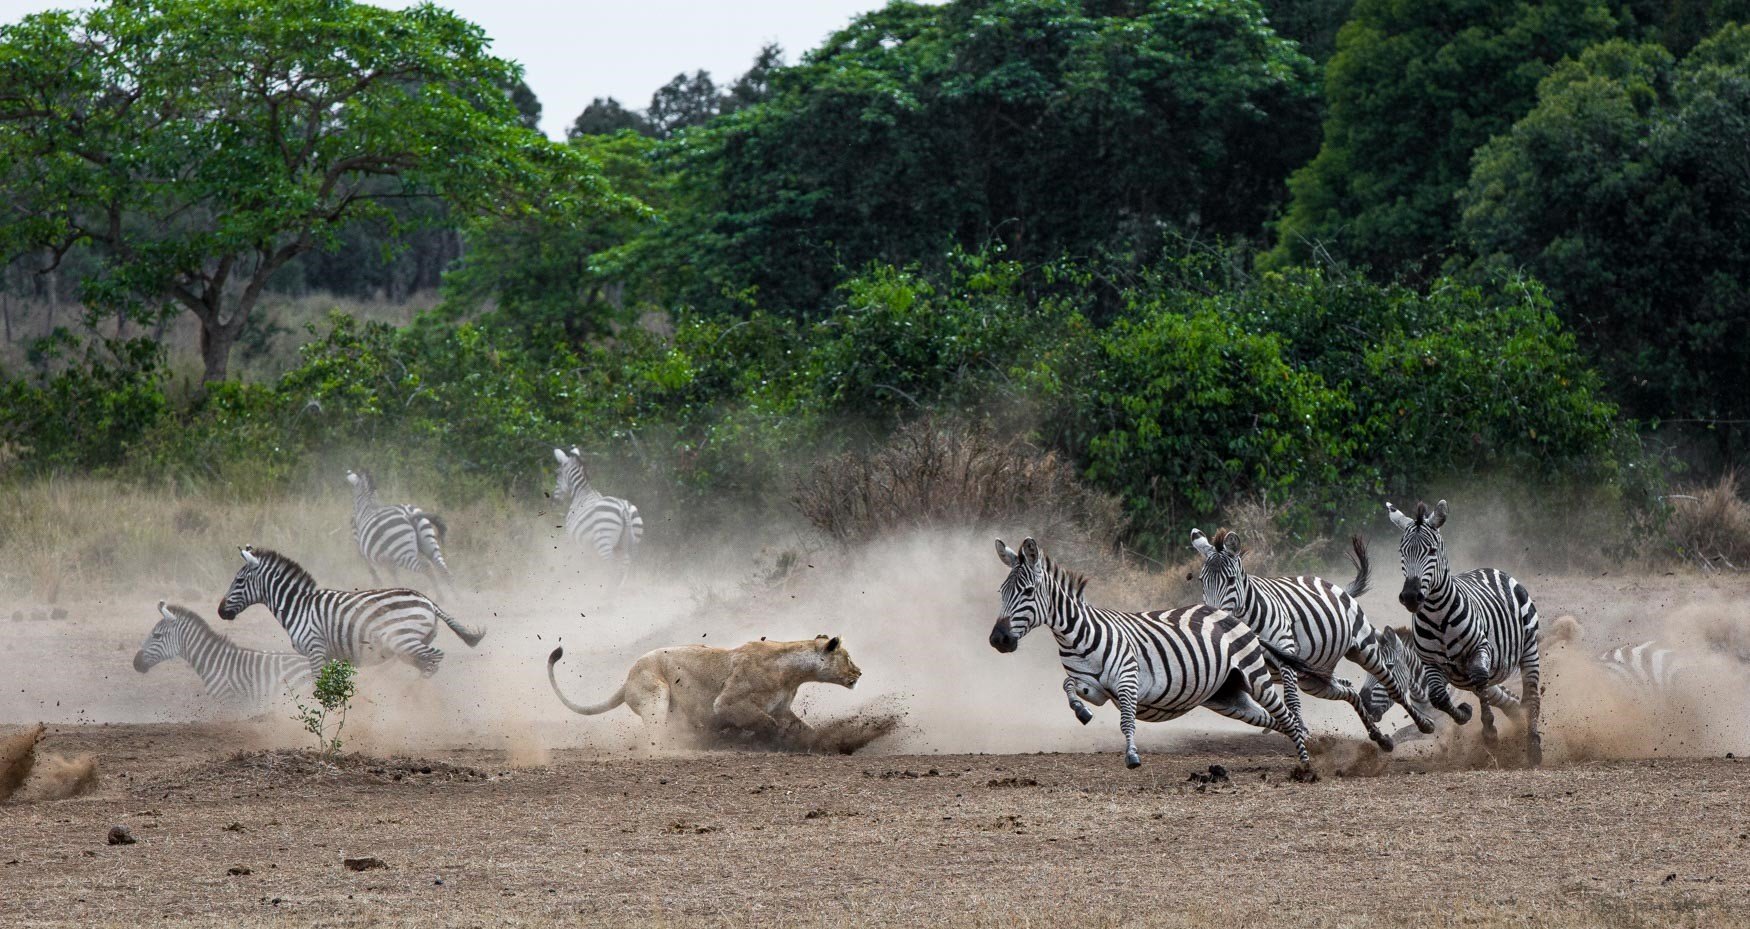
649 699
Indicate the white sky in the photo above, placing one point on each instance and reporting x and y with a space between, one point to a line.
572 52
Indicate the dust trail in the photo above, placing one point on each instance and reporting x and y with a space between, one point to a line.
58 777
17 758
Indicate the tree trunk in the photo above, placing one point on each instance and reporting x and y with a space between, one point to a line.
216 342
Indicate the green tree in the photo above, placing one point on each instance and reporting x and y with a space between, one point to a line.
200 145
1413 90
606 116
1626 190
1049 128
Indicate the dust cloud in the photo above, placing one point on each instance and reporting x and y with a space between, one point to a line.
913 610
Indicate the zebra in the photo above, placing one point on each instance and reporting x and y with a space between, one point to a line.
364 627
1313 619
1158 665
609 524
1472 630
227 670
1646 664
400 537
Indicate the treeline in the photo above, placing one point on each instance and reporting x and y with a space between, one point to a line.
1314 251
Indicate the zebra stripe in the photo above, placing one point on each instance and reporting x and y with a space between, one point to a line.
1647 664
364 627
227 670
1158 665
1472 630
1313 619
396 536
610 525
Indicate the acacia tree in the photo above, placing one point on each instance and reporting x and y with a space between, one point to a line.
197 146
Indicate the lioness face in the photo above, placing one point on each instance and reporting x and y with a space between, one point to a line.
836 666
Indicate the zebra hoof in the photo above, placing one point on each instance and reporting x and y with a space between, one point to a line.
1534 751
1461 713
1425 725
1384 742
1132 760
1083 716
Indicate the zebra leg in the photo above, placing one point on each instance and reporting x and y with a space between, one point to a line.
1479 666
1265 709
1367 656
1333 689
1438 695
1529 673
1075 703
1127 723
1291 696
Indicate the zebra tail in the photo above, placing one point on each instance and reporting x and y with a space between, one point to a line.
1363 572
618 697
1282 659
437 522
467 634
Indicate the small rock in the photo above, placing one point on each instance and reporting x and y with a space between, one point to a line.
121 835
438 881
366 863
239 870
1304 776
234 827
1217 774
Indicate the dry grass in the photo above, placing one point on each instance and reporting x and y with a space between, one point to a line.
1710 525
936 473
83 538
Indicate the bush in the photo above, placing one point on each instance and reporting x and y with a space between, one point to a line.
941 473
1710 525
91 412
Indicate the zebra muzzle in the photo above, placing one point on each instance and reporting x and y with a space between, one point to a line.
1002 639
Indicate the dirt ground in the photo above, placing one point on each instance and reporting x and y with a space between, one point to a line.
878 840
505 810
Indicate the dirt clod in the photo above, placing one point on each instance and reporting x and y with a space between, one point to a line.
1012 782
239 870
121 835
17 758
364 863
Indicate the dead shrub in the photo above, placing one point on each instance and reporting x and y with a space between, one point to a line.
1710 525
1269 549
937 473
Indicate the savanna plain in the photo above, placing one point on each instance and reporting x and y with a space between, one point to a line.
489 804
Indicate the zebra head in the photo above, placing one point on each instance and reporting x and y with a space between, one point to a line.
573 476
248 588
1398 654
1022 607
362 485
1421 552
1224 578
163 642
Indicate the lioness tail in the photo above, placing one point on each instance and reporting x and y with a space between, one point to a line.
618 698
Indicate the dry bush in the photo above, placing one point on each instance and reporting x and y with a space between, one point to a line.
1710 525
934 474
1269 550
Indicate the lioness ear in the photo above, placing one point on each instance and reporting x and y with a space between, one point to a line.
832 644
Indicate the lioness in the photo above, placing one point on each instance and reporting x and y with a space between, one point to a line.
717 689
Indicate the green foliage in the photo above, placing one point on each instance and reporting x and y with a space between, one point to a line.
1412 90
1624 191
1054 128
91 412
335 689
164 137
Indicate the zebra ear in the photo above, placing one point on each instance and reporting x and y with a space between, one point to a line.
559 455
249 556
163 609
1398 518
1201 543
1439 518
1007 554
1030 551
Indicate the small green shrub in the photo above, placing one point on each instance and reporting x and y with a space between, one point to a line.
333 695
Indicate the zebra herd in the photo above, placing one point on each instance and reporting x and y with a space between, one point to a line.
363 627
1248 651
1253 643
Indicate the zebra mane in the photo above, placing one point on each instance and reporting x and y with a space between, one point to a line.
198 621
1064 577
1421 512
1220 540
290 569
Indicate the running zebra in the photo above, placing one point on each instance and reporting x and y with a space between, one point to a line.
1471 630
1158 665
1313 619
227 670
609 524
399 537
1647 664
364 627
